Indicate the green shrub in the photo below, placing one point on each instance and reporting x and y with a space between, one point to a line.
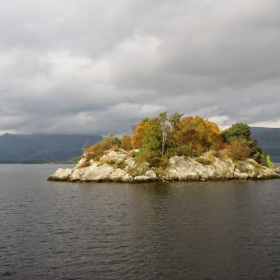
184 150
246 170
147 155
211 158
204 161
171 152
119 164
137 170
142 156
268 162
111 162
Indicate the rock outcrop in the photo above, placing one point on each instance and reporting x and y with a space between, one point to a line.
120 166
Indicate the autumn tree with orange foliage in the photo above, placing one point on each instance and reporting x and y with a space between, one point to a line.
239 150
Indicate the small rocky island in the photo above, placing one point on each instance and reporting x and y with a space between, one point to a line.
120 166
172 148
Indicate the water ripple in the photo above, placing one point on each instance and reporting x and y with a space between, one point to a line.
208 230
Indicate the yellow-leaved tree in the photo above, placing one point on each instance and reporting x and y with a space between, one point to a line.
139 133
196 134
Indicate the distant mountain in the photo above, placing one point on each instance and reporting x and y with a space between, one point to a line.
269 140
47 147
33 148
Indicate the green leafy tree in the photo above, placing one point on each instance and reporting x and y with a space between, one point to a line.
152 144
153 139
238 131
242 132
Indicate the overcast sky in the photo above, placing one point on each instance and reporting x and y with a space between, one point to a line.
99 66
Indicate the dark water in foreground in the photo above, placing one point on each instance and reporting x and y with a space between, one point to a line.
201 230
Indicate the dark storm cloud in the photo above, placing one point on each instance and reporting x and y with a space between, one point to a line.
99 66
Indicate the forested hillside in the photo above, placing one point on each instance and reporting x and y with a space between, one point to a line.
42 147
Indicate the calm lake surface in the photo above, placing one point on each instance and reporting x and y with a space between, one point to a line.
199 230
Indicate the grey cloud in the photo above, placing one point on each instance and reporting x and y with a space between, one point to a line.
98 66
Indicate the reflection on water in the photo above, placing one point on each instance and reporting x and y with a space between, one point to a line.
199 230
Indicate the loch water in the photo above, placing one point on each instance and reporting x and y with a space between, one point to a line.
178 230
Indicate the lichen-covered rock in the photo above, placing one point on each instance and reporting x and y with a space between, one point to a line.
115 156
117 175
181 169
151 174
61 174
81 162
129 162
127 178
118 166
240 175
92 173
